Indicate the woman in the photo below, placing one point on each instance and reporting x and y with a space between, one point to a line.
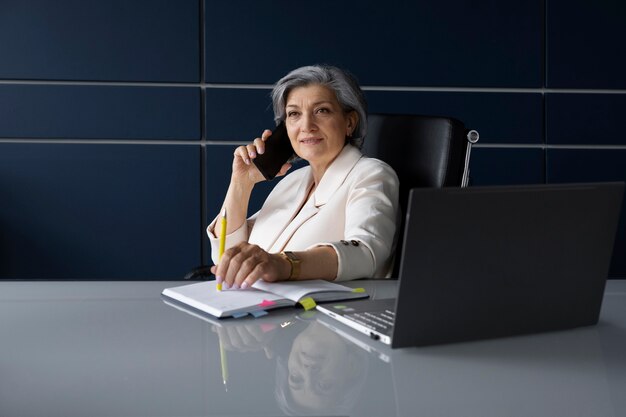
336 218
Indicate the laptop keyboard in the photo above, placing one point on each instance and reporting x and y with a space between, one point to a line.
380 320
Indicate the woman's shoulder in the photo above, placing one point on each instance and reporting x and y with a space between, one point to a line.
372 166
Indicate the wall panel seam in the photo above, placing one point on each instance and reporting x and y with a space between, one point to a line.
209 143
205 86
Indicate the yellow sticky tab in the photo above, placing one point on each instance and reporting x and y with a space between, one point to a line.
358 290
307 314
308 303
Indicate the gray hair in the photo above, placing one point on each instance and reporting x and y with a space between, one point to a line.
342 83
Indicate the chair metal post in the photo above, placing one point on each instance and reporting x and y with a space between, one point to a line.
472 138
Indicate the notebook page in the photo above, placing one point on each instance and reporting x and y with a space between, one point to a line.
318 289
205 297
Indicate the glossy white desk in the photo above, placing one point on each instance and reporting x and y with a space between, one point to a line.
117 349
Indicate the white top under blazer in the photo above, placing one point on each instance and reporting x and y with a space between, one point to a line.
354 209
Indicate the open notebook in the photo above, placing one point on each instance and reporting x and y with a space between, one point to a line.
262 296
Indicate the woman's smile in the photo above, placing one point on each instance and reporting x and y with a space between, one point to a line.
310 141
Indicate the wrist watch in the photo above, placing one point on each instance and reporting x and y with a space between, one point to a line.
294 261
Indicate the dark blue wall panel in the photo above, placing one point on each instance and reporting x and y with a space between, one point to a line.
498 117
120 40
586 119
586 43
435 43
242 114
237 114
504 166
99 211
585 165
91 112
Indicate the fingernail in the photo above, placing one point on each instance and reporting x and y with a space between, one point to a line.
219 280
261 151
244 285
252 154
225 286
247 161
235 286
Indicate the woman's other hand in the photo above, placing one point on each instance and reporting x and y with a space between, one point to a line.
243 264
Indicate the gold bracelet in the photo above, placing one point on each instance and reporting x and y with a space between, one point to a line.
294 261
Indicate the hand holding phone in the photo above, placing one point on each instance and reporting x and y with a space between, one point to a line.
278 150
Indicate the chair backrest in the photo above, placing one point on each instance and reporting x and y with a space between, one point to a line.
425 151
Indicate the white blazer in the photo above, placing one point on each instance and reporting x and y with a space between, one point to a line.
354 209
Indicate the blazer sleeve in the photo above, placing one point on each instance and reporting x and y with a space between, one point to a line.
372 217
240 235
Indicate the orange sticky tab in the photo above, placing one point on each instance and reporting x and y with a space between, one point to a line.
308 303
267 303
358 290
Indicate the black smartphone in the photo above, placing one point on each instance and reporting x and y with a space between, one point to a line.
278 150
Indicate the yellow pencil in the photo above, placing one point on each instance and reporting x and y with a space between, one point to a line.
222 241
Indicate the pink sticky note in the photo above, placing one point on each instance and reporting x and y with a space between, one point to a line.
267 303
266 327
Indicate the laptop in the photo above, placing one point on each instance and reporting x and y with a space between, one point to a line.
486 262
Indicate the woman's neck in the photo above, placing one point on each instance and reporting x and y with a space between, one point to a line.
318 170
318 173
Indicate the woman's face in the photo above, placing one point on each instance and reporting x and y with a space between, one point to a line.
316 124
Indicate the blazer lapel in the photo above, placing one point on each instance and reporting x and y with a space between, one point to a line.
309 210
336 174
283 214
333 178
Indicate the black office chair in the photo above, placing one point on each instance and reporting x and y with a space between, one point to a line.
425 151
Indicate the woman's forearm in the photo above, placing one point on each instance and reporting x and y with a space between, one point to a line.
236 205
318 263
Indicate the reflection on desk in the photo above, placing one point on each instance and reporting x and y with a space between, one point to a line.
316 370
116 349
